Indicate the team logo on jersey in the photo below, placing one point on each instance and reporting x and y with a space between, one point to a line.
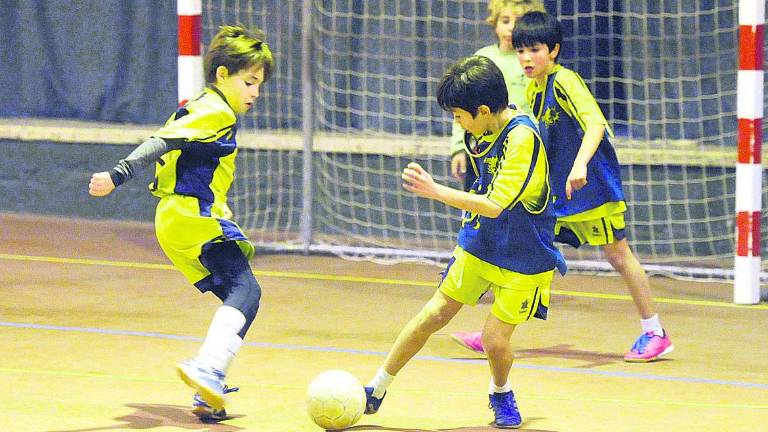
550 117
493 164
595 230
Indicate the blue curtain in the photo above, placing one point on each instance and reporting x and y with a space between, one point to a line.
104 60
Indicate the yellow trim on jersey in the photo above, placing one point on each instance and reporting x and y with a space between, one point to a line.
209 118
573 95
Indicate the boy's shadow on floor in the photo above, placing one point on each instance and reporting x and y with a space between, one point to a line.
149 416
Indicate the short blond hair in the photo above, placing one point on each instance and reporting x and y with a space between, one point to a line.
237 48
519 7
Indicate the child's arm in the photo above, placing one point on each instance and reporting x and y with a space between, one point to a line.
577 178
420 182
103 183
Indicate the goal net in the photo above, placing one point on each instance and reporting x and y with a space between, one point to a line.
664 74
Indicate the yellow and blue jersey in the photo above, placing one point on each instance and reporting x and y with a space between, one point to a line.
512 172
565 107
204 167
192 181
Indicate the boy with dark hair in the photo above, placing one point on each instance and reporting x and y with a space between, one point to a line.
505 241
585 176
195 153
502 15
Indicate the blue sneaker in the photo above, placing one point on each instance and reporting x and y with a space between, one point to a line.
505 413
209 382
204 412
372 404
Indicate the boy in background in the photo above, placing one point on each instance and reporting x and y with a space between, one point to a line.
585 174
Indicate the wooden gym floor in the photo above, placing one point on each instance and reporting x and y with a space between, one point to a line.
93 320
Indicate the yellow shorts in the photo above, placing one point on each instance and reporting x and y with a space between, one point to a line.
596 232
517 297
182 232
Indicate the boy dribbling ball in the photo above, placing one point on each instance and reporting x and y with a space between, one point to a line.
195 153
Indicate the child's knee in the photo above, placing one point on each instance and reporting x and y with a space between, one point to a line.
494 343
433 318
617 254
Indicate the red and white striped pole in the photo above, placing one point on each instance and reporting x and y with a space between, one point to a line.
190 78
749 107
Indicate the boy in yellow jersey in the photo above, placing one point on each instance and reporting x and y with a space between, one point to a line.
505 241
585 174
502 15
195 163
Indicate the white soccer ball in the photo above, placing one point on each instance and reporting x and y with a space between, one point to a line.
335 400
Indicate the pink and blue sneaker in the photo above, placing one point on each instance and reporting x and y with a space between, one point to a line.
472 341
649 347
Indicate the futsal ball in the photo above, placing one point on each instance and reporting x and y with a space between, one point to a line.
335 399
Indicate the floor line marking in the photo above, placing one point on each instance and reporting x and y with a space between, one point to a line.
384 281
294 347
401 390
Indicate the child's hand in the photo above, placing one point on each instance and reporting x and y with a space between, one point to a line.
418 181
459 166
577 179
101 184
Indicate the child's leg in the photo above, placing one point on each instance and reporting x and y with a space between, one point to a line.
234 284
654 342
496 335
622 259
232 281
438 311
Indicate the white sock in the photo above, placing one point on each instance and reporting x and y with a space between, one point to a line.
222 342
493 388
652 324
380 382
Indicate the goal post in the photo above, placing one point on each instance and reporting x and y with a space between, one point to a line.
749 170
190 67
353 101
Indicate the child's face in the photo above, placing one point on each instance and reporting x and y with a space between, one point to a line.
537 60
240 89
504 26
476 126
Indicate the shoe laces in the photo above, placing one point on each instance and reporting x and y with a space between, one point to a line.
507 405
642 342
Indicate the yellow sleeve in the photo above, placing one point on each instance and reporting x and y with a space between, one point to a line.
203 120
515 169
574 96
